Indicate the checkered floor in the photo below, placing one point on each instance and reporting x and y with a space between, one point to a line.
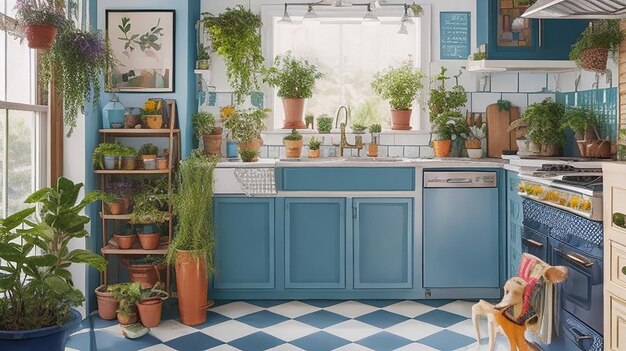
302 325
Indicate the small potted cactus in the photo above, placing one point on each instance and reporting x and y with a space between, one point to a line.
314 148
293 144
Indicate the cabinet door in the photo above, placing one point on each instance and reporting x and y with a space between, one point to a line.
244 243
383 243
514 223
315 243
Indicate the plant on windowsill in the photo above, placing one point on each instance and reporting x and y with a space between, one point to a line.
400 86
372 149
204 125
473 140
41 21
191 251
109 155
594 45
324 123
248 155
358 128
235 37
37 292
293 144
295 79
314 148
246 127
545 135
204 59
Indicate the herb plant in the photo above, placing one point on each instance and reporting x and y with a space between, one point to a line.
604 34
367 112
127 294
400 85
148 149
235 36
314 144
203 123
358 127
110 149
248 155
579 119
203 53
293 136
375 128
247 125
150 207
294 77
30 12
324 123
445 108
544 123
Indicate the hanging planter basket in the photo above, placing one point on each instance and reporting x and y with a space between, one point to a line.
594 59
40 36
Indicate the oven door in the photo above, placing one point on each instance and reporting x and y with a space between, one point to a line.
535 244
581 293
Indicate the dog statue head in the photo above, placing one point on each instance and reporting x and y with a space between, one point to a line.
513 292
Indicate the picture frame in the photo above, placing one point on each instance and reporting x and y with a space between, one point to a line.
143 42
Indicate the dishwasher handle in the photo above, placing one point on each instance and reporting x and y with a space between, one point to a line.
460 179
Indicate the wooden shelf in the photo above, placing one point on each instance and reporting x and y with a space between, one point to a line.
119 217
134 171
133 132
136 250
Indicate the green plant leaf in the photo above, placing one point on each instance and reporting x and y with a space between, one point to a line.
57 284
46 260
17 218
88 257
11 253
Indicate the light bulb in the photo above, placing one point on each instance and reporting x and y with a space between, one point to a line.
310 15
403 29
370 17
286 18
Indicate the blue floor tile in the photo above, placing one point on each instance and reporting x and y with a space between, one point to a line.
193 342
101 323
322 303
80 341
321 319
381 319
262 319
266 303
446 340
384 341
212 318
435 303
256 342
106 341
320 341
440 318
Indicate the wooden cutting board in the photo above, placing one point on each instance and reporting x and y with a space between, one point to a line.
498 138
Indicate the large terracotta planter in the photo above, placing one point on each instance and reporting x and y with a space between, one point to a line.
154 121
192 284
126 320
294 109
293 148
150 312
107 304
212 144
251 145
40 36
442 147
145 274
124 241
401 119
149 241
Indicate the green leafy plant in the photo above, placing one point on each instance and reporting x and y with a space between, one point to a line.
579 119
477 56
248 155
39 12
504 105
367 112
127 294
148 149
418 11
358 127
475 132
324 123
314 144
203 53
194 194
308 119
544 123
400 85
294 77
247 125
36 287
444 106
375 128
604 34
204 123
150 207
152 107
293 136
148 40
110 149
235 37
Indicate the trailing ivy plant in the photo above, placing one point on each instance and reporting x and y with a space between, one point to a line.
295 77
235 37
604 34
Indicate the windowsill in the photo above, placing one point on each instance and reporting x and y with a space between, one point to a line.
348 132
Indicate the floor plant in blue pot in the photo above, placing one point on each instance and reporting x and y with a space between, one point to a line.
37 292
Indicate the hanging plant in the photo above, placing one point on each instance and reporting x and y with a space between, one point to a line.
235 37
78 58
596 43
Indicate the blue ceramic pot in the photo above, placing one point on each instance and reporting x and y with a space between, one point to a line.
49 339
109 162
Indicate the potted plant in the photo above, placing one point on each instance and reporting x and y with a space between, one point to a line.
596 42
372 150
293 144
107 304
150 304
148 153
162 159
314 148
235 36
147 216
584 123
41 21
400 85
246 127
295 79
545 134
122 192
205 127
324 123
152 113
358 128
204 60
473 141
125 239
308 120
127 295
37 293
109 155
191 251
248 155
144 270
445 116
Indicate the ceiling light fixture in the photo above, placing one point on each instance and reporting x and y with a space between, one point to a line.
370 17
403 29
286 18
310 15
406 18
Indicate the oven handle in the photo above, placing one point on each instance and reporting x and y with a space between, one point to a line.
580 337
534 243
576 258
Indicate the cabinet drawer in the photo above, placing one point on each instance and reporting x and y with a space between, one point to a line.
615 338
347 179
617 261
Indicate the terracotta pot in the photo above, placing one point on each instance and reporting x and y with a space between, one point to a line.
594 59
149 241
150 312
161 163
293 148
145 274
372 150
154 121
599 148
401 119
126 320
212 144
473 144
442 147
124 241
116 207
314 153
107 304
129 163
40 36
252 145
192 284
294 109
582 147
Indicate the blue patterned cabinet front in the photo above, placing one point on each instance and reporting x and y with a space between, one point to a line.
514 223
244 243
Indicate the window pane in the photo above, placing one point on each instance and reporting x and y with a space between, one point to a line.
21 155
19 76
3 114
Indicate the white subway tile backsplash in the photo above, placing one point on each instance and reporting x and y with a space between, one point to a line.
263 152
382 151
395 151
426 152
273 151
504 82
480 101
519 100
533 98
412 151
387 139
532 82
407 139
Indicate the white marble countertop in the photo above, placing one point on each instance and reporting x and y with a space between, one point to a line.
368 162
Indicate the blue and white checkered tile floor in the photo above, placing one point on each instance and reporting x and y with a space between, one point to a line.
303 325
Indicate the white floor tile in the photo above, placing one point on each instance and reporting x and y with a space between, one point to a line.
352 330
408 308
351 309
229 330
416 347
236 309
170 329
160 347
224 347
285 347
353 347
290 330
467 328
462 308
293 309
413 330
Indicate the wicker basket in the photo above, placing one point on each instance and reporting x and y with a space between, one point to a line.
594 59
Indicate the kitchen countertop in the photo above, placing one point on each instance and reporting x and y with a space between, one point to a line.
367 162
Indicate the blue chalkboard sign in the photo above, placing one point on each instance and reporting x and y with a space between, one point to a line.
455 35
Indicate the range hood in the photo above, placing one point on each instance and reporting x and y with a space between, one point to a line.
577 9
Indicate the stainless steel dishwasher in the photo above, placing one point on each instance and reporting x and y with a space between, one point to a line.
461 232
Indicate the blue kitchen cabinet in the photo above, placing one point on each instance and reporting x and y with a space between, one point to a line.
510 37
244 243
514 223
383 243
315 243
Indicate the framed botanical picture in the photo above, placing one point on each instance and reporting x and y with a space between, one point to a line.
143 43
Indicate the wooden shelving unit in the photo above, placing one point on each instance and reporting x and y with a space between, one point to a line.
173 136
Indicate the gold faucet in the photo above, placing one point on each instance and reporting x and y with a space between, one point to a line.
358 140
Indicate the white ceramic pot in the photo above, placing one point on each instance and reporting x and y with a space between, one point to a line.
475 153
